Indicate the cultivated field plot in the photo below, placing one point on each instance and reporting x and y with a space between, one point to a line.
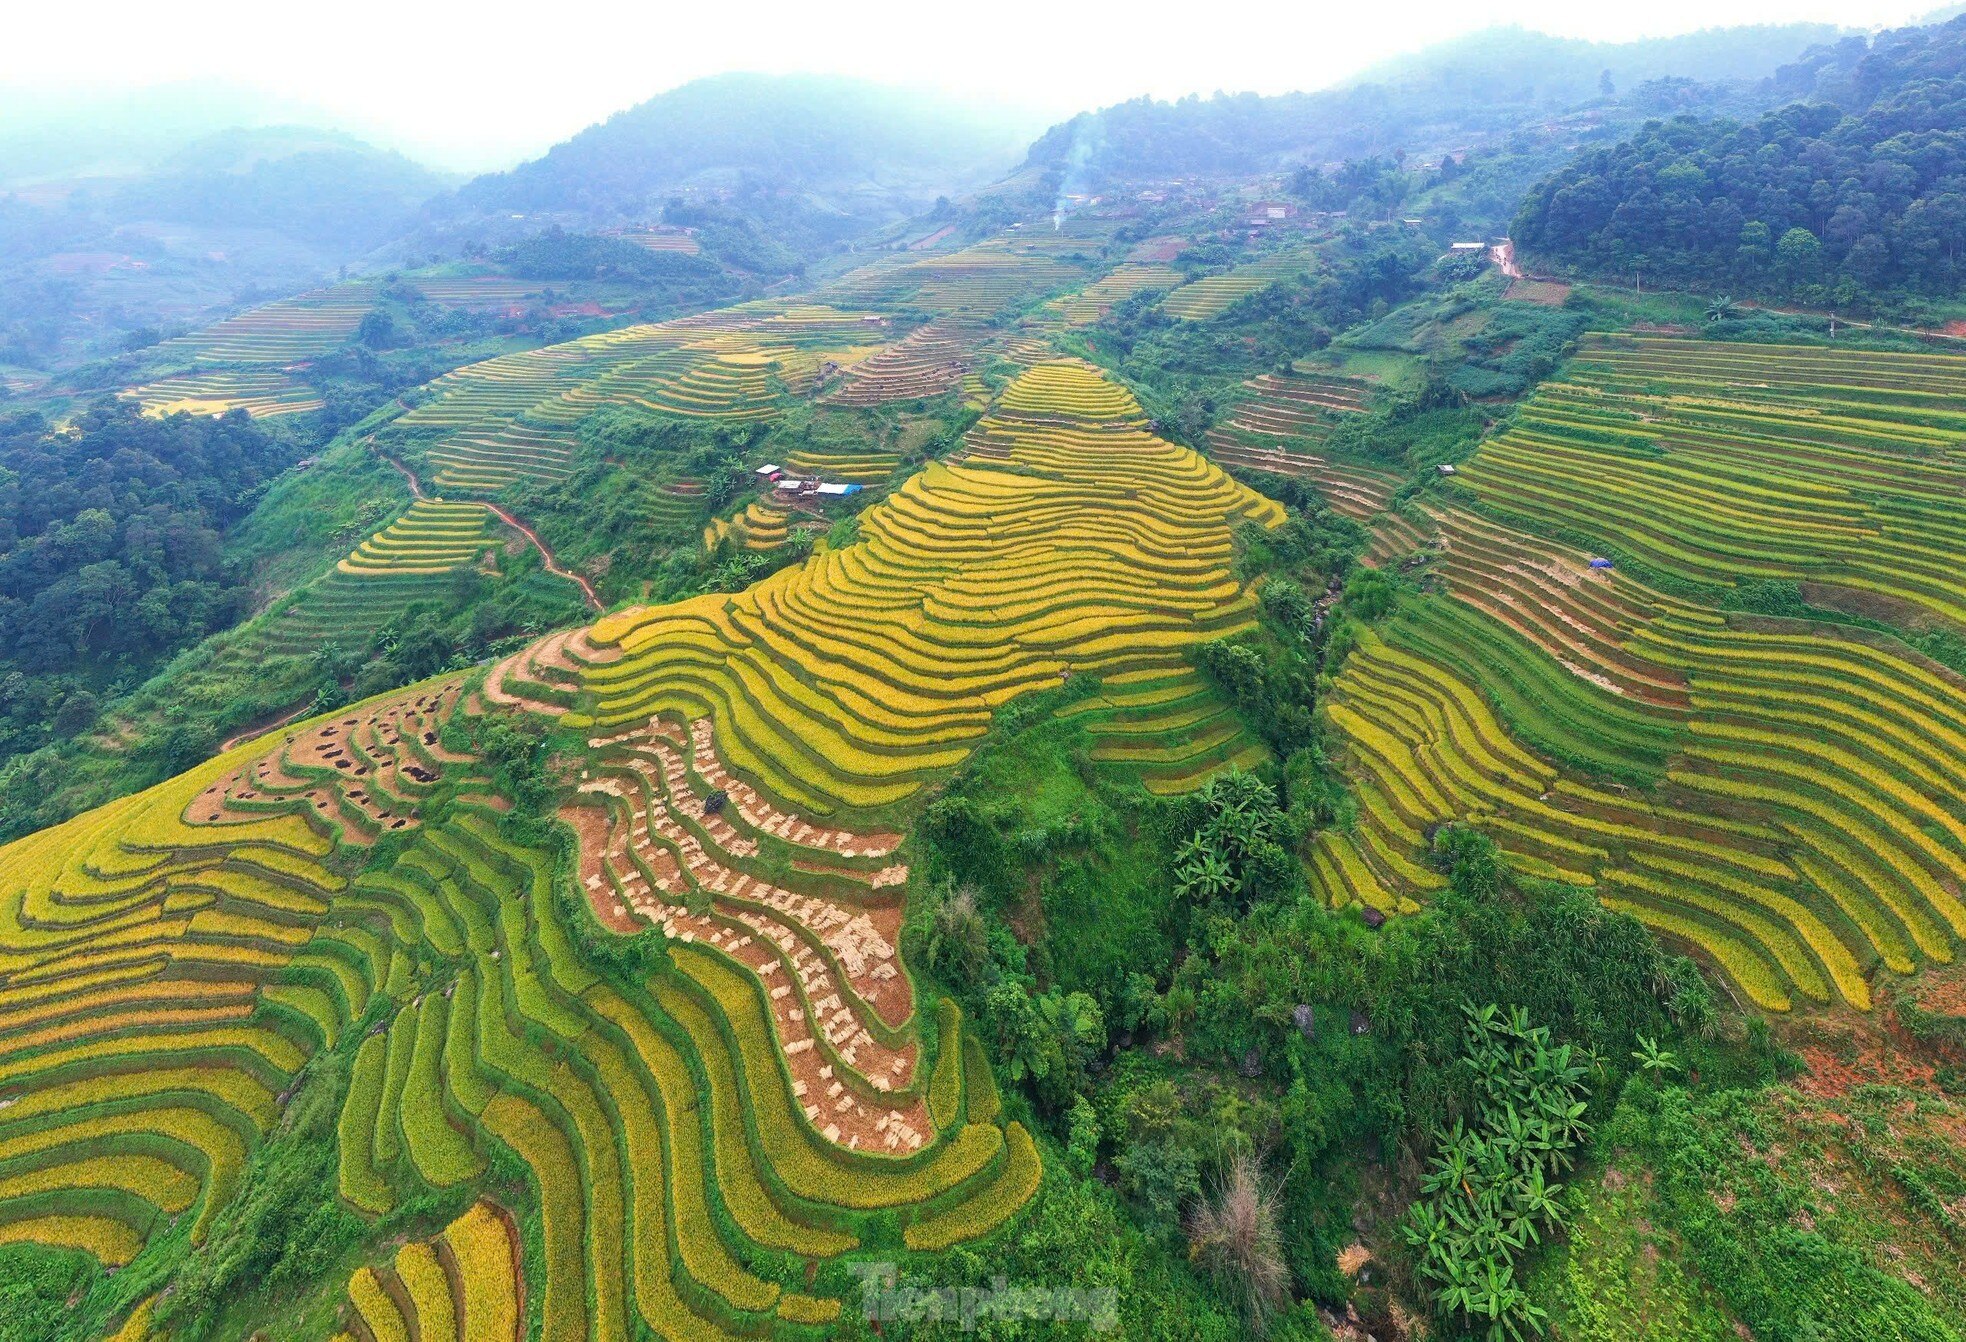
413 559
1213 295
263 394
478 291
1170 730
760 526
661 240
462 1285
862 466
1067 538
927 362
1158 250
690 1140
977 281
432 537
1727 464
1789 799
1284 414
1093 302
291 330
512 417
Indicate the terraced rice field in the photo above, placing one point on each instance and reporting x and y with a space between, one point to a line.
1282 414
760 527
869 465
977 281
662 240
689 1139
928 362
1067 538
1213 295
1723 464
478 291
293 329
412 559
432 537
1785 798
261 394
512 417
1093 302
1170 730
462 1286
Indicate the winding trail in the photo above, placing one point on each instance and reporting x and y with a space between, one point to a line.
263 728
546 556
553 565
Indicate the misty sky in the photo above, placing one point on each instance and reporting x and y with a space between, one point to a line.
481 85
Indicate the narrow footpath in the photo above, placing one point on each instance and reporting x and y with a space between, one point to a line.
261 729
553 565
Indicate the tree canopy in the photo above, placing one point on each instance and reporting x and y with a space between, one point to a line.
111 548
1854 196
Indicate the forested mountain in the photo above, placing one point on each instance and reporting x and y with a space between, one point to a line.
54 136
323 188
86 260
1445 98
1852 194
818 159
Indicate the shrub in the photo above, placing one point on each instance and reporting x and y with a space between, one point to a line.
1236 1234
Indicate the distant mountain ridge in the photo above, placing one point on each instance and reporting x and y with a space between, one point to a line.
861 153
182 228
1485 83
61 133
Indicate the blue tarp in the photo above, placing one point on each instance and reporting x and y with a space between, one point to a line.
1600 563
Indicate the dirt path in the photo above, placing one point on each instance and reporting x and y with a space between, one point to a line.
546 556
261 729
1503 254
1921 332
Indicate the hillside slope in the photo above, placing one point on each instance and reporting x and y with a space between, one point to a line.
607 933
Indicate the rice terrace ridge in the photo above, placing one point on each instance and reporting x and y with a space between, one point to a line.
830 711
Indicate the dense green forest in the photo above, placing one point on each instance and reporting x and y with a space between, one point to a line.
1854 197
111 551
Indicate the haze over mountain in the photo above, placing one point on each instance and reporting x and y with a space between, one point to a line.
65 133
1445 97
181 228
840 155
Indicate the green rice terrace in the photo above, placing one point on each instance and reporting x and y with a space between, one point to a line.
287 331
1384 811
679 1053
1721 464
